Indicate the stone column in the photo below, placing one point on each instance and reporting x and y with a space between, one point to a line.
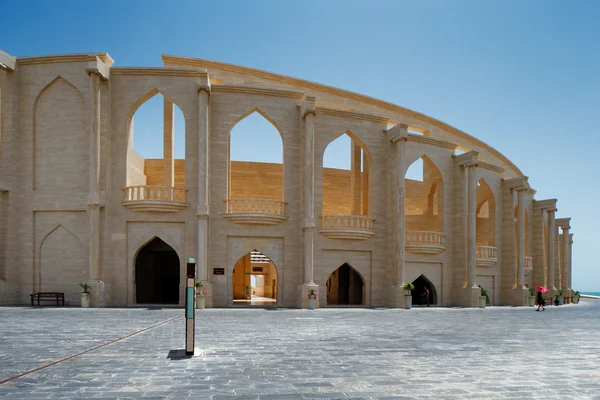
308 113
551 258
565 256
309 197
95 199
366 208
168 143
94 157
355 178
400 142
203 211
570 252
521 237
471 223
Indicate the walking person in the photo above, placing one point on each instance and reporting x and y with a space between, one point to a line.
426 294
539 300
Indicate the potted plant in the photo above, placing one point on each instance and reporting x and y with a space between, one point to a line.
85 295
409 287
560 297
575 297
312 299
532 295
557 297
483 298
200 296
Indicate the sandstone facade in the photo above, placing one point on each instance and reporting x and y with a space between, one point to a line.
78 204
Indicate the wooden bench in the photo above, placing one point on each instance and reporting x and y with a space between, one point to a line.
48 296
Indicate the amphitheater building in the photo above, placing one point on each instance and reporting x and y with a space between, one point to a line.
79 204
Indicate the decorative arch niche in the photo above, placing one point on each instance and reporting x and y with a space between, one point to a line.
59 123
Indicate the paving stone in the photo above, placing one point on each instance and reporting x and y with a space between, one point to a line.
438 353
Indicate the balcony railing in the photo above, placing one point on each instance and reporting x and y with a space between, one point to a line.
155 198
344 226
255 211
425 242
528 264
487 256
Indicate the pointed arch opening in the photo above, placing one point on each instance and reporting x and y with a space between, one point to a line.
424 196
346 177
425 293
254 280
155 149
345 286
486 215
255 158
157 273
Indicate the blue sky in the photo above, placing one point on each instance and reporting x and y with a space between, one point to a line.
520 75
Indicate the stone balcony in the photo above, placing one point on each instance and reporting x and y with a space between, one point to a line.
255 211
341 226
151 198
528 261
425 242
487 256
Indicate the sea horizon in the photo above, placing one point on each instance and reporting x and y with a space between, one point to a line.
590 293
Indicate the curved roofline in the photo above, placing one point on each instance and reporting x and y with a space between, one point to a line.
202 63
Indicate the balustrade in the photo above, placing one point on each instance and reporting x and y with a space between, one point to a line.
155 198
255 211
425 242
487 256
346 226
528 263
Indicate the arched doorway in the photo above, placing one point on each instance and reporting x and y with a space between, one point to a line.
345 286
254 280
418 295
157 274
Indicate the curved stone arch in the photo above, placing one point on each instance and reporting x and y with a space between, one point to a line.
143 99
241 252
140 247
354 138
436 188
351 266
50 84
262 114
426 159
432 289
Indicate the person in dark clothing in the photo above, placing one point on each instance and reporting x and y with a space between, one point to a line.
426 294
539 300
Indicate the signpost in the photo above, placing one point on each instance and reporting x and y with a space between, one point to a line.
190 296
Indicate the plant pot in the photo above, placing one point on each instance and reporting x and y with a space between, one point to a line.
200 301
574 299
85 300
556 302
482 300
407 301
312 303
531 301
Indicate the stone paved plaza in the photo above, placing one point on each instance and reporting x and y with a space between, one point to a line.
449 353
